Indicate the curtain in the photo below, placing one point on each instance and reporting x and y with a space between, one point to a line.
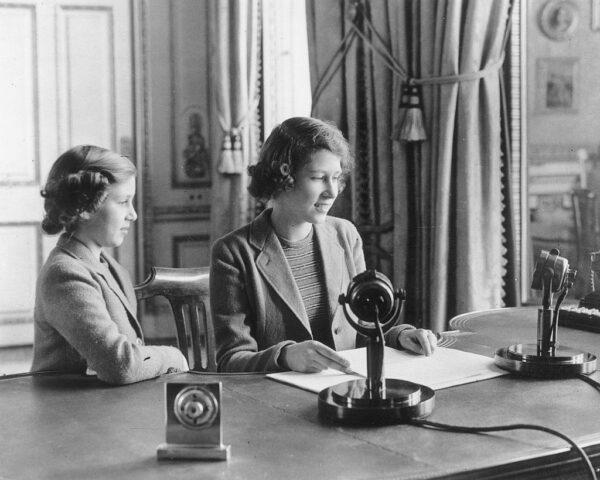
458 236
357 99
233 35
448 198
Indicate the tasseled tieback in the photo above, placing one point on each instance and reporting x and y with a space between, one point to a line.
231 160
411 127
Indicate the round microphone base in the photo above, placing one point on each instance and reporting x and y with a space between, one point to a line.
352 403
523 359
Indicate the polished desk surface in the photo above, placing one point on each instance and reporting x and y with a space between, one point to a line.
69 426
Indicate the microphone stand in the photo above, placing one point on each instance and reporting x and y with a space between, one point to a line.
544 324
375 348
546 358
374 399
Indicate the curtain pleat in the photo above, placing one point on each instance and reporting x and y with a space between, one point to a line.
234 66
464 262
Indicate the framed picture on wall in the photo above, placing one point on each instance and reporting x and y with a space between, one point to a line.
557 85
191 152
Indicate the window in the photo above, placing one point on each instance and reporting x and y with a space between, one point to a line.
286 77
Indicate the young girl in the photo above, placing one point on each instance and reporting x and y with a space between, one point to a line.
275 282
85 307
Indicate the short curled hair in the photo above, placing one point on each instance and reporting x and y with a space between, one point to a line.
78 182
289 148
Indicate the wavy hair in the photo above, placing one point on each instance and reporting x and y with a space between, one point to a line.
78 182
288 148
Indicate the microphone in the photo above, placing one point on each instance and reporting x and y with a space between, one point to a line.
371 305
546 358
374 308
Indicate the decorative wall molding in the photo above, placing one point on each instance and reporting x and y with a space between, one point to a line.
180 242
190 149
181 213
595 23
143 103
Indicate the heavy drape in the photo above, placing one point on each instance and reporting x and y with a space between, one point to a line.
234 54
358 101
449 247
460 234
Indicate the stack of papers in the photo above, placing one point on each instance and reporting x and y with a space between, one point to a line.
445 368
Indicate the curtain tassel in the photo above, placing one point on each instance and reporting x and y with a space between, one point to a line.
231 161
238 158
412 127
226 165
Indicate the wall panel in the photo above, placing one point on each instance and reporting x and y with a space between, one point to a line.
18 82
19 265
86 76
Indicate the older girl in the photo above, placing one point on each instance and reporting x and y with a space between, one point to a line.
275 282
85 309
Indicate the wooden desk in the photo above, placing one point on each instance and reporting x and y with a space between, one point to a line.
68 426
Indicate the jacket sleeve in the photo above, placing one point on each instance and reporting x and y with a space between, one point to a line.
393 334
357 250
234 316
75 307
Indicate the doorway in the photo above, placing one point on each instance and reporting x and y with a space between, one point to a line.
66 79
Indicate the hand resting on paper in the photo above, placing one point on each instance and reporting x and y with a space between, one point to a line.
311 356
418 340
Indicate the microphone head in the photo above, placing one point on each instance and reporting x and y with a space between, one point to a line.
552 266
371 294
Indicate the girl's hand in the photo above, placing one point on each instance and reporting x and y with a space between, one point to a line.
311 356
418 340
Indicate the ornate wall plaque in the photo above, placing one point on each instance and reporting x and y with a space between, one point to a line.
558 19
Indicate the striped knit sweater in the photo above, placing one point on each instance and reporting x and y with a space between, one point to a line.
304 259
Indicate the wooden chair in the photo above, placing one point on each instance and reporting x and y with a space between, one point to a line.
188 293
587 234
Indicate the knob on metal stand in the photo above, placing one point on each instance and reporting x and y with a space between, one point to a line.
374 400
547 358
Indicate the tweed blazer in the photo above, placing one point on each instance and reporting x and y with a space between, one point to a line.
86 318
256 305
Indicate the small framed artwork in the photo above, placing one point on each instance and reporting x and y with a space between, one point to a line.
558 19
557 85
191 153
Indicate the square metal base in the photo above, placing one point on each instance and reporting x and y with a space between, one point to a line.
173 451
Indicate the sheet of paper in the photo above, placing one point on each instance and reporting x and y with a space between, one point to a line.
445 368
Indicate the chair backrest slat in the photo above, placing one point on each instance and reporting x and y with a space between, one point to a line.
179 309
187 290
197 332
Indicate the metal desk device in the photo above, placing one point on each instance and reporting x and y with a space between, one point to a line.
374 308
547 358
193 422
